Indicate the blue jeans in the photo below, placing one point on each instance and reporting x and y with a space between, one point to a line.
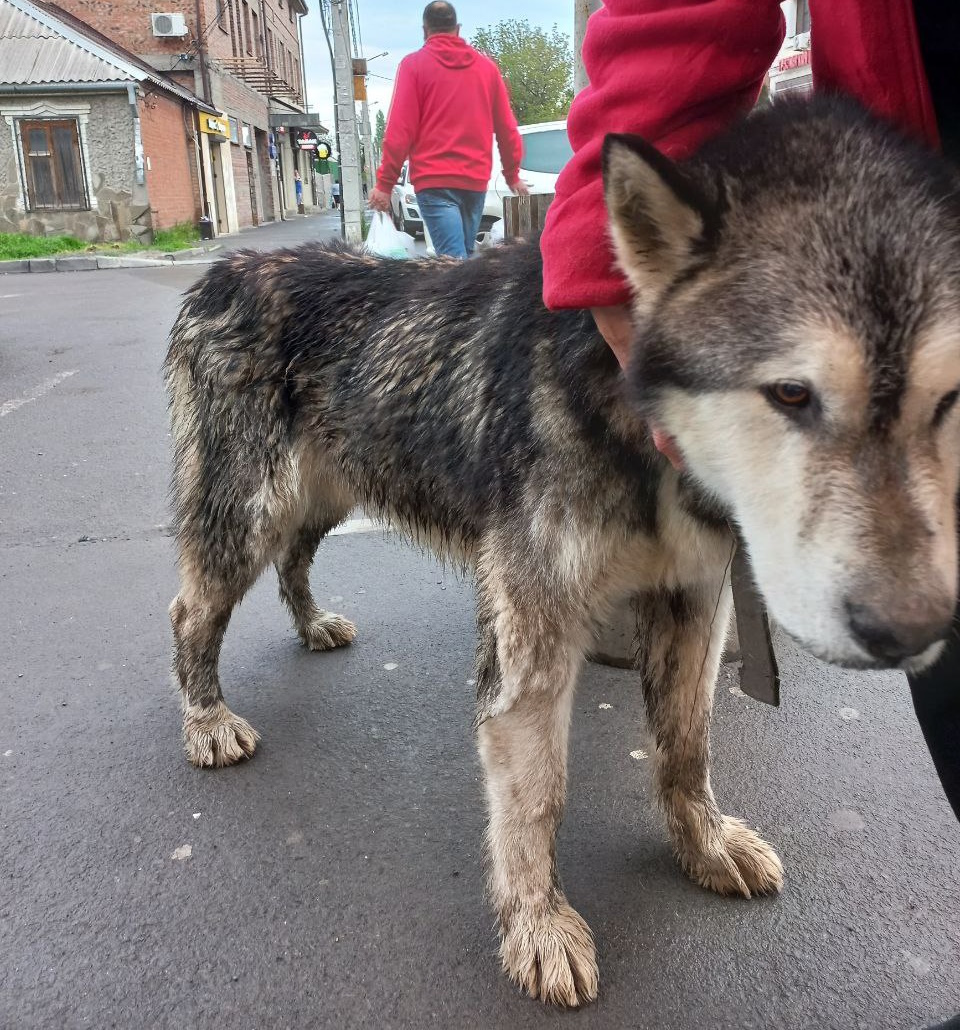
452 218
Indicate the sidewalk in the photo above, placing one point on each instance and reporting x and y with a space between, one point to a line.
322 225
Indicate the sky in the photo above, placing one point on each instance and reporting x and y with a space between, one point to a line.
396 28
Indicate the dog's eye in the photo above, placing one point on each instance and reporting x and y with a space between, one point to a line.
947 402
789 395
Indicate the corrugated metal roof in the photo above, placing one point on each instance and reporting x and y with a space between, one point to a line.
32 53
41 43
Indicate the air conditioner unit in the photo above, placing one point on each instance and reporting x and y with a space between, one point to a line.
169 24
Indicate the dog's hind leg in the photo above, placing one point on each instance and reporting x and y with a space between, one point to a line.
212 734
229 529
682 632
318 629
526 667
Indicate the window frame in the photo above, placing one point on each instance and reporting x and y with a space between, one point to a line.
28 123
248 42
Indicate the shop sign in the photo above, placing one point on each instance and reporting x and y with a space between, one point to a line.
215 124
305 139
792 61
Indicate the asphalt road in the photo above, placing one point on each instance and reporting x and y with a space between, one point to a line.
336 879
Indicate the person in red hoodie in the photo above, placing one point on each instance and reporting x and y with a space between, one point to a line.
448 102
678 72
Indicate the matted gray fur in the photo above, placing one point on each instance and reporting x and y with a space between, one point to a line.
797 356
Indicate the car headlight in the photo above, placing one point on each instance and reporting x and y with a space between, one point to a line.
410 198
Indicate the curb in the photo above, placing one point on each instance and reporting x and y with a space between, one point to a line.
95 262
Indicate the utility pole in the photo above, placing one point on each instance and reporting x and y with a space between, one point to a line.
351 196
369 162
582 9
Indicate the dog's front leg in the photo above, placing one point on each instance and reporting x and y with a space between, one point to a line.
681 636
546 947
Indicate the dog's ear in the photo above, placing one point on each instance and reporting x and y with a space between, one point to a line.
660 218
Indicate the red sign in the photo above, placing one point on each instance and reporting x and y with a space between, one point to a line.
306 139
794 61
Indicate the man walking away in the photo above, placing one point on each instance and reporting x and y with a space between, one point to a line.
448 102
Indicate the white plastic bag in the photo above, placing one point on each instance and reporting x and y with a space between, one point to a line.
385 240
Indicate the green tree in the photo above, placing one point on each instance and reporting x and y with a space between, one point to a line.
379 133
537 65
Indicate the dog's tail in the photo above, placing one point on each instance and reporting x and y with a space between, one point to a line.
229 403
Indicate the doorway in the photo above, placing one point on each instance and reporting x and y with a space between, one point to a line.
252 183
219 190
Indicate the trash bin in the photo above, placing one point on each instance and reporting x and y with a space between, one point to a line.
206 228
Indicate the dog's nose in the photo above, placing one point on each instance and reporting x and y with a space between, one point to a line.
890 640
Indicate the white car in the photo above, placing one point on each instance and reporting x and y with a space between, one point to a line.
546 150
403 202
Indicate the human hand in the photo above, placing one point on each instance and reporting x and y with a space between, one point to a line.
520 188
379 200
616 327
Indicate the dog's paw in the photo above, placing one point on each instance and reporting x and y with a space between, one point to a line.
328 631
214 736
551 955
735 860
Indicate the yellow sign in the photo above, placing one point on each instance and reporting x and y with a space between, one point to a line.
359 87
217 125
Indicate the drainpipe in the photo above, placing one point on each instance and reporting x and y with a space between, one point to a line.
202 57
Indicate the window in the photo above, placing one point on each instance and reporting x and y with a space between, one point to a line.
803 16
290 10
53 166
234 30
256 35
234 124
546 151
246 27
222 12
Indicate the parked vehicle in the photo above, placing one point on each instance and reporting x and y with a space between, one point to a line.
546 150
403 201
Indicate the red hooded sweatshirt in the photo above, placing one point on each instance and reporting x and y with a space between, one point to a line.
448 102
679 72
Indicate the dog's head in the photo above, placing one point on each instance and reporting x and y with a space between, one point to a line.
797 298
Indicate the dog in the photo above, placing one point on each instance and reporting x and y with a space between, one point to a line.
793 382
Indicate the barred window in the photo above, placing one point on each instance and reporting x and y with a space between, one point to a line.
53 166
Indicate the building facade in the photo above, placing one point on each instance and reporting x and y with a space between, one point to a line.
93 142
244 59
791 72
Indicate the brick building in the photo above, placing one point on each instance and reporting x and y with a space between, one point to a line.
96 143
244 58
791 72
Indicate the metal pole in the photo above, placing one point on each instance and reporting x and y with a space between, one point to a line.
350 194
582 9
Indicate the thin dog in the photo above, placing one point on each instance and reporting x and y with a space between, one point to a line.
798 357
